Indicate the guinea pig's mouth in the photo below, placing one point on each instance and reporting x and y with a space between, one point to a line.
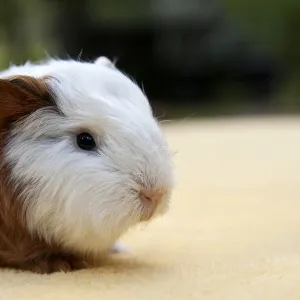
147 213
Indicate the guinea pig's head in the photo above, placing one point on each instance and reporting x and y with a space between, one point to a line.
86 153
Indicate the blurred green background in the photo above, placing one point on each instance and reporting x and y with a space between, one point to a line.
193 57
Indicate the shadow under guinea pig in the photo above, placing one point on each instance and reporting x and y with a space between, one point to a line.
108 265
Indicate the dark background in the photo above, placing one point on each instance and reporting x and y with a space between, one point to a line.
193 57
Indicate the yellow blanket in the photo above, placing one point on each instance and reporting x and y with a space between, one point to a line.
233 231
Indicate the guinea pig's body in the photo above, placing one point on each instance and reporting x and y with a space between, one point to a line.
82 161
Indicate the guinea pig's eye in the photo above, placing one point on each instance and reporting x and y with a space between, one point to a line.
85 141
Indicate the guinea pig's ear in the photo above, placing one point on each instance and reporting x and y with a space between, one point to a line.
104 61
22 95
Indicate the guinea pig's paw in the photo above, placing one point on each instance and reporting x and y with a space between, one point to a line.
118 247
56 263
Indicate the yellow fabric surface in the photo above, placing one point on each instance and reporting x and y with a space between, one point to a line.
233 231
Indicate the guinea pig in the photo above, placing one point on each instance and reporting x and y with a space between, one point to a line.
82 160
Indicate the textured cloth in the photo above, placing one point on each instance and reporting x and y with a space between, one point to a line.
233 230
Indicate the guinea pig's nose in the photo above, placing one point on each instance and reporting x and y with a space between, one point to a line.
151 197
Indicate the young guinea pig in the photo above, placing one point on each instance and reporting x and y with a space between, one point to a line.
82 160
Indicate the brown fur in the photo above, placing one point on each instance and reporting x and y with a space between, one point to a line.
19 97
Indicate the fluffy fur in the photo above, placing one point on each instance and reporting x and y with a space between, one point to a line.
84 201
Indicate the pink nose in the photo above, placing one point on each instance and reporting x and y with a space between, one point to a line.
151 197
150 200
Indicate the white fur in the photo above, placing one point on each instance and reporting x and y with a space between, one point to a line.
102 60
87 200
